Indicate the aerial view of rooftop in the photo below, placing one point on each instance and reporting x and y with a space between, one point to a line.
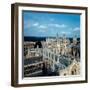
51 44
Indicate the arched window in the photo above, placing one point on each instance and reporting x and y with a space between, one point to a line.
75 70
72 72
49 54
55 58
65 74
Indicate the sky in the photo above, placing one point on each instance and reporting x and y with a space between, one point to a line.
41 24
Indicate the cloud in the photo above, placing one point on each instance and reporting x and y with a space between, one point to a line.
51 19
28 24
63 32
42 30
61 26
42 26
66 33
76 29
35 24
58 25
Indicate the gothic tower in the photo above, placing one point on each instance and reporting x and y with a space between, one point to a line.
75 40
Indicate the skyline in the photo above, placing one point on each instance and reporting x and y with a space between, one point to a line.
41 24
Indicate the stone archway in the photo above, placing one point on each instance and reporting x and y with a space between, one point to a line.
39 44
75 70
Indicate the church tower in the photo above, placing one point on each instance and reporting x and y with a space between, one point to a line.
57 38
58 43
64 44
75 40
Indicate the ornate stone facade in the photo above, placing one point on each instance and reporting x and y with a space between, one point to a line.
59 55
73 69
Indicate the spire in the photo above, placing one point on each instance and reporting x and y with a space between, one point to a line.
57 36
75 39
64 36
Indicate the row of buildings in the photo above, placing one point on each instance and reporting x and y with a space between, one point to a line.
55 56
